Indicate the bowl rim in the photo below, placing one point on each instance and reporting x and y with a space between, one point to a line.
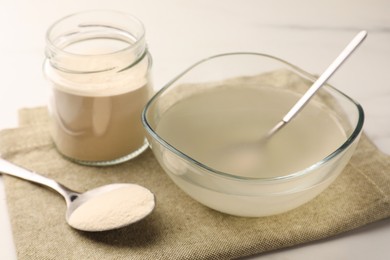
351 138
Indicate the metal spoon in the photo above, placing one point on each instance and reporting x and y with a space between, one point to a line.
75 200
243 157
356 41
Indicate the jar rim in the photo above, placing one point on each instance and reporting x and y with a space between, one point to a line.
53 46
78 40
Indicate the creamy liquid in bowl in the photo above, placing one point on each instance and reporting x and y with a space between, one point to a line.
204 124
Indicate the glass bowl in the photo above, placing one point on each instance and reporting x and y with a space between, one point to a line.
236 97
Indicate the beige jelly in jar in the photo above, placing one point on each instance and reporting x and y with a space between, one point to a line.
98 66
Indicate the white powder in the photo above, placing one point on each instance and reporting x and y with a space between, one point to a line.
113 209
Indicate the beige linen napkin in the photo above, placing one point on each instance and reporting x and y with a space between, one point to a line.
179 228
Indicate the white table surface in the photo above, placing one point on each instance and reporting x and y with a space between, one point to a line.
307 33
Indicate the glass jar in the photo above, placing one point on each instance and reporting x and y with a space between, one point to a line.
98 67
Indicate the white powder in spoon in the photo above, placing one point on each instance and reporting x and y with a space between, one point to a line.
113 209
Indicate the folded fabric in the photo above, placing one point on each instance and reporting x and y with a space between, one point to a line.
179 228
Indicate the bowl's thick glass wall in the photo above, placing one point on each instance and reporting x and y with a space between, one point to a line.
239 195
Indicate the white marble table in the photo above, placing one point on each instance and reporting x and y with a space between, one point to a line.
307 33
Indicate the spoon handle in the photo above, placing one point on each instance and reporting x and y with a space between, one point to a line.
325 75
9 168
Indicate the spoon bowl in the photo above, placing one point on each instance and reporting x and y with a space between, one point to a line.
104 208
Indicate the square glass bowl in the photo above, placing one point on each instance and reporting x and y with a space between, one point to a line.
264 192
